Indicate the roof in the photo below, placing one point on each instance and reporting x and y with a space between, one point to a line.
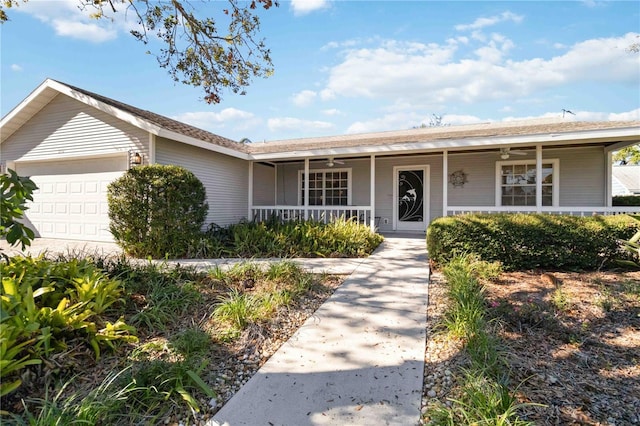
445 137
629 177
614 134
147 120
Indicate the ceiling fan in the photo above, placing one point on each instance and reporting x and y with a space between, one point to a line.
332 162
505 153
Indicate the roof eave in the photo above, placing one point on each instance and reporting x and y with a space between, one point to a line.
631 134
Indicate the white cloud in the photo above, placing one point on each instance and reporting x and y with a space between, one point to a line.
487 22
79 30
429 74
224 119
16 67
331 112
286 124
408 120
304 98
68 20
303 7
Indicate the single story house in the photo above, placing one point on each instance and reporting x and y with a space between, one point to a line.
72 143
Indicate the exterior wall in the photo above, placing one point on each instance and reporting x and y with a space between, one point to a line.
288 184
66 128
224 178
480 190
264 184
384 186
581 177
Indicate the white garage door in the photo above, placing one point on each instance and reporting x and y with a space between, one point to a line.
71 200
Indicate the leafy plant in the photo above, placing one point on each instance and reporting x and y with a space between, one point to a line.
44 304
157 211
14 192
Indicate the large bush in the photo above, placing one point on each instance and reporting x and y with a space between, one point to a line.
156 210
526 241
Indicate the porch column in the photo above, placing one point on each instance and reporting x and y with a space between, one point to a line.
372 196
275 184
306 189
250 191
608 178
445 183
539 178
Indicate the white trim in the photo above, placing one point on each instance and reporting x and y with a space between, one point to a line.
152 148
608 178
250 193
425 197
73 157
323 171
452 145
539 181
445 181
556 181
372 193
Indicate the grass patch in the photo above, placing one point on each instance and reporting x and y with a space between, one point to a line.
484 396
188 323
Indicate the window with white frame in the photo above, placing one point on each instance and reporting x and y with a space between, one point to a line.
516 183
330 187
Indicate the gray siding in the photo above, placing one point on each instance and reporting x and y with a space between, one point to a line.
582 176
264 185
384 186
67 128
224 178
480 189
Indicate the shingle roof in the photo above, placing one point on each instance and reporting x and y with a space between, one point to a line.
629 177
165 122
434 134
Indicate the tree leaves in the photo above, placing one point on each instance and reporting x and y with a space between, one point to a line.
214 54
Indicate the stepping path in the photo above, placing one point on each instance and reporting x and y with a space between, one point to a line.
358 360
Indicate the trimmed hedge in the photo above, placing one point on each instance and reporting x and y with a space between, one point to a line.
528 241
626 200
156 210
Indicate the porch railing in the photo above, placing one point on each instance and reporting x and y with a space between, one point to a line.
573 211
318 213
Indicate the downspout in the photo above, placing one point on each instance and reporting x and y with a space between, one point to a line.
152 148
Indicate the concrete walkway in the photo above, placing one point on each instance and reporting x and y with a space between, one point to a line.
52 246
358 361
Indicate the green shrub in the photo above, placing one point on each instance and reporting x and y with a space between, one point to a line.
528 241
340 238
626 200
45 305
157 211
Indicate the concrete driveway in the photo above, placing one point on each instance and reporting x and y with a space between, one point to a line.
54 246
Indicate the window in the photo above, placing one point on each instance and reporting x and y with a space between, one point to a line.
326 187
516 182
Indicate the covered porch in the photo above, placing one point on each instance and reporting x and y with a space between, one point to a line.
403 186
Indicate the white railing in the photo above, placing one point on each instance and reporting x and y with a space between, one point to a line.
318 213
573 211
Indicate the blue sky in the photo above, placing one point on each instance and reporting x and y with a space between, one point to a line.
356 66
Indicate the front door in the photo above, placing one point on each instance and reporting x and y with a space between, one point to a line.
411 198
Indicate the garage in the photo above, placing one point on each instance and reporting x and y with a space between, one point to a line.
71 199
